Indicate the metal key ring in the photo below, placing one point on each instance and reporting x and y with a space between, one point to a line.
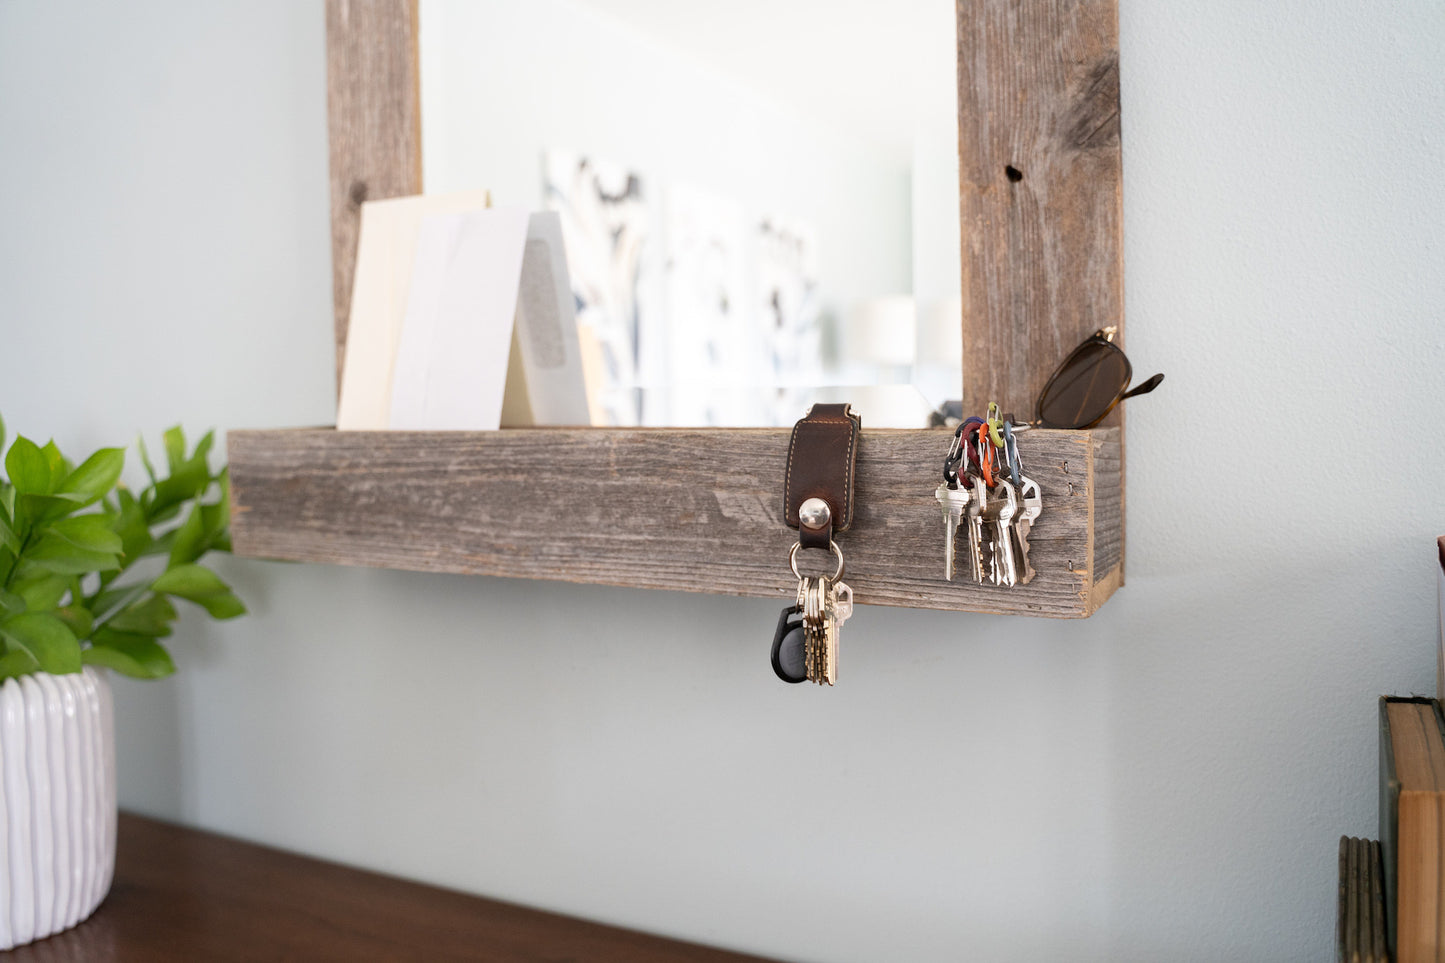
832 547
1011 453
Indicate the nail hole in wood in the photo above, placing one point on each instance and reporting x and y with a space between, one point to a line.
358 193
1013 173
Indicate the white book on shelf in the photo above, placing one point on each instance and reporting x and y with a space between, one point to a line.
462 316
451 359
546 384
385 258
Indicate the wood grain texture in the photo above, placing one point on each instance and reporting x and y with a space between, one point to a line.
681 509
1040 189
373 111
1108 528
182 896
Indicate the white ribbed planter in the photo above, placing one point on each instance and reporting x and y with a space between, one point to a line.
57 802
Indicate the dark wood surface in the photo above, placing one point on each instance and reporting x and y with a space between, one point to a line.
373 110
182 896
681 509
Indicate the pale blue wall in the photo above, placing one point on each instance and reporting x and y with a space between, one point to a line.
1164 781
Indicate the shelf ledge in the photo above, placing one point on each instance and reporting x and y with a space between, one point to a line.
693 510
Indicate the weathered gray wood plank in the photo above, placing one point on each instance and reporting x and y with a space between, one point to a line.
1040 190
373 111
1108 508
690 510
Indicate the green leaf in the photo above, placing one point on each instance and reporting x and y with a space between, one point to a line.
152 617
92 532
8 538
10 603
216 518
42 591
76 619
48 640
17 662
202 586
189 582
7 499
28 468
55 554
203 450
39 509
223 606
145 457
175 441
189 477
189 481
2 434
190 539
133 655
170 501
108 599
59 466
96 476
160 546
130 525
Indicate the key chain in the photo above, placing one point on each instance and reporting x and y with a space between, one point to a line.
985 488
818 502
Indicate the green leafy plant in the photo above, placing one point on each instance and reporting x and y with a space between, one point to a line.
74 541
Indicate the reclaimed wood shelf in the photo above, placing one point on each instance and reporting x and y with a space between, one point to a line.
181 895
662 508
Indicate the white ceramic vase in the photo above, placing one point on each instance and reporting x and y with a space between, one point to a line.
57 802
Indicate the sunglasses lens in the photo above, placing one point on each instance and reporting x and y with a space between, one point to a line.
1081 392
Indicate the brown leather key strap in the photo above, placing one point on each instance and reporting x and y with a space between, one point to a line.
821 458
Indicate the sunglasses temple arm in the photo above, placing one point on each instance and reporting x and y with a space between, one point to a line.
1144 388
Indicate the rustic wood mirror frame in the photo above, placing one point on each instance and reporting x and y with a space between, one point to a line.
700 509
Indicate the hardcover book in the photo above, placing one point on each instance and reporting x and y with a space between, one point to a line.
1412 817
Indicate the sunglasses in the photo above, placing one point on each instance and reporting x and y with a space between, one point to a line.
1089 384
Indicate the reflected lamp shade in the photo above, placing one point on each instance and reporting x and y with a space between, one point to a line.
940 333
880 331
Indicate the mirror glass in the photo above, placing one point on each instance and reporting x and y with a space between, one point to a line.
759 199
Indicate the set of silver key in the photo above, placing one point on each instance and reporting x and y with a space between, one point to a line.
997 522
826 604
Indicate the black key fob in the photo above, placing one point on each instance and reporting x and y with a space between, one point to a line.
789 644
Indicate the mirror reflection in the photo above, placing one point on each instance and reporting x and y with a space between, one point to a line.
759 208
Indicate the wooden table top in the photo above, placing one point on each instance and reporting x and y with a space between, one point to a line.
183 895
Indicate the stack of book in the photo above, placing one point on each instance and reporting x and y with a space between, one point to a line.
462 318
1392 892
1360 924
1407 882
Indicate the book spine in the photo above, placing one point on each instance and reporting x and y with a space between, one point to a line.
1377 952
1389 821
